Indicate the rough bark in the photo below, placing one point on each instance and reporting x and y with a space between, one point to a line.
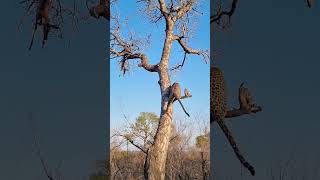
157 153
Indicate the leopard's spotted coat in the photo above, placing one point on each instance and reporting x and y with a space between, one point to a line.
218 109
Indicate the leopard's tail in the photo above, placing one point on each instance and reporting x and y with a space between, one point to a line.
183 108
234 146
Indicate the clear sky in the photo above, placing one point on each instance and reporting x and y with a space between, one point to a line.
138 91
274 47
64 86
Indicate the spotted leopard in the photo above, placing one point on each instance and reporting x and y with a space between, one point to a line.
218 110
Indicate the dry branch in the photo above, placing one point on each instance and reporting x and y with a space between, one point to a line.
40 154
189 50
126 50
221 13
310 3
128 138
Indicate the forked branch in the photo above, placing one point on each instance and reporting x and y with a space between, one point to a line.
189 50
128 49
184 9
221 13
128 138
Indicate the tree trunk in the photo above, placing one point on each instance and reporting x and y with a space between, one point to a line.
155 162
157 153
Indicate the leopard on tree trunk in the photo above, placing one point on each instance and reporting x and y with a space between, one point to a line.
218 111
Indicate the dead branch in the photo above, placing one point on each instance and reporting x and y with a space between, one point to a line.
143 138
128 138
176 12
310 3
126 50
185 96
189 50
180 65
218 16
38 151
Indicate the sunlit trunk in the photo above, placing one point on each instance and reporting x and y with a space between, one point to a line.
155 162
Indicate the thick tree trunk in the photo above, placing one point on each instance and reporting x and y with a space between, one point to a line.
157 154
155 162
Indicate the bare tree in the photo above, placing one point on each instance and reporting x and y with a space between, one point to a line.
203 144
141 133
175 15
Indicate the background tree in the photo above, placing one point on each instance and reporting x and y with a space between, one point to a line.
203 143
185 159
141 133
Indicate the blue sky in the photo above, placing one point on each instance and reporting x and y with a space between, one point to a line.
138 91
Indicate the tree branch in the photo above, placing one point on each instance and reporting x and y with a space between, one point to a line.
184 97
220 14
127 55
180 65
38 150
184 9
174 137
246 102
187 94
133 143
189 50
128 50
240 112
310 3
163 8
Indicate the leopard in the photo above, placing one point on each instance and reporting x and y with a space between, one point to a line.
218 111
